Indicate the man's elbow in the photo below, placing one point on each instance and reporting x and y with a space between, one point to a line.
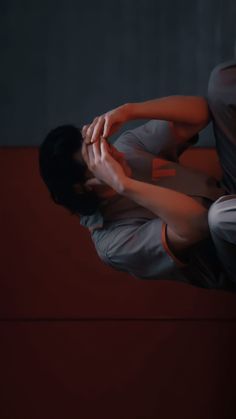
197 229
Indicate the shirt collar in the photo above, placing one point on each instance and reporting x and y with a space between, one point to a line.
97 220
93 221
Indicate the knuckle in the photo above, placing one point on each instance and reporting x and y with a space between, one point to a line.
88 134
84 133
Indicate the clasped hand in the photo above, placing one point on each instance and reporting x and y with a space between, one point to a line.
106 124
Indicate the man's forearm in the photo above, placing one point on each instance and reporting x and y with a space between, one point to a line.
176 108
182 213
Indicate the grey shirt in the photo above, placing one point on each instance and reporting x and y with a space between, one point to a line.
131 238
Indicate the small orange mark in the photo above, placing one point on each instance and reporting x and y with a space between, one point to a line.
157 172
158 162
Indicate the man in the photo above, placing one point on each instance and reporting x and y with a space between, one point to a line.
152 217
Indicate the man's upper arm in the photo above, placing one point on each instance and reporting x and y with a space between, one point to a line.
185 132
160 138
141 250
176 245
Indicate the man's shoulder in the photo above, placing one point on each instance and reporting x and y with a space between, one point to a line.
114 234
122 142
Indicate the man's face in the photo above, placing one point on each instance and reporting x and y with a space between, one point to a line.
116 155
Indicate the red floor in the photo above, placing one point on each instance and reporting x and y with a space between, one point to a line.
80 340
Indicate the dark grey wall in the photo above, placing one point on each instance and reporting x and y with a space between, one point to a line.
68 61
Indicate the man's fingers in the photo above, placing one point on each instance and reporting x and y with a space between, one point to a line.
105 147
97 129
91 154
87 153
94 130
106 128
90 129
84 130
84 153
96 147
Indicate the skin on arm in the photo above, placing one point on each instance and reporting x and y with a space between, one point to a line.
179 246
186 221
187 114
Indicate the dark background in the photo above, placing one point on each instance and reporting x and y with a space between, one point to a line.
69 61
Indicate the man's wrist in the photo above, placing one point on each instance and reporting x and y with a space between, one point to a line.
136 110
123 185
128 111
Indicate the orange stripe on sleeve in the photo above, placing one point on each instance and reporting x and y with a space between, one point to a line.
159 162
167 249
158 169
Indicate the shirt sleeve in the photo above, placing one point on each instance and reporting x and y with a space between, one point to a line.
157 137
141 250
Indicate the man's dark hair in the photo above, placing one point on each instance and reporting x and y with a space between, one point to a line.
60 171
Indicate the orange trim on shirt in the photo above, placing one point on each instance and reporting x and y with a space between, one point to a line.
163 172
159 162
157 172
167 249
